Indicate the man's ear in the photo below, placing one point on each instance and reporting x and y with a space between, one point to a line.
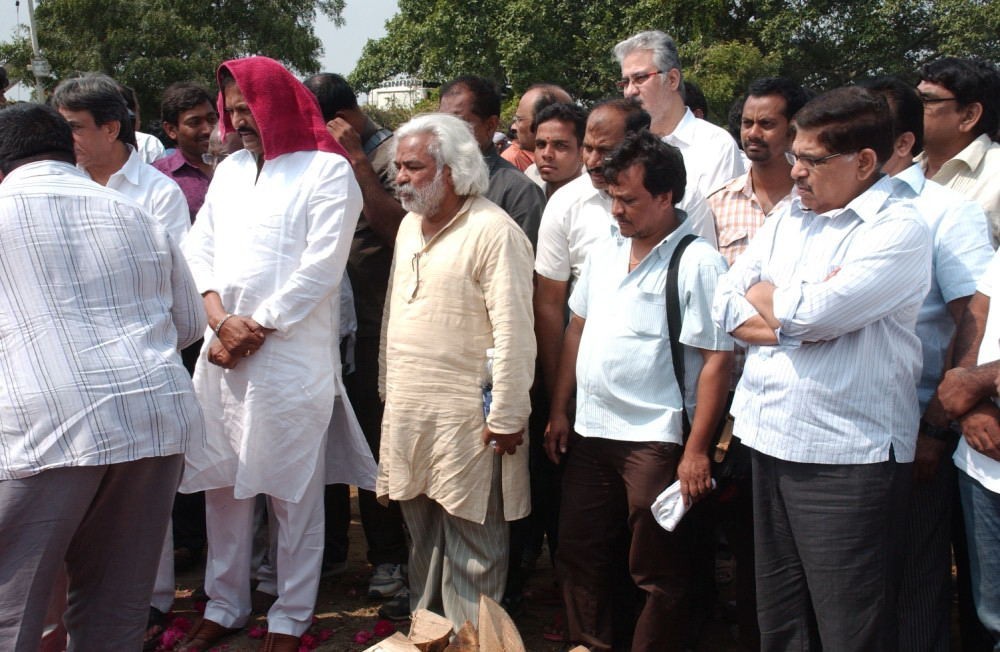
904 144
170 130
492 123
674 79
111 129
867 163
971 113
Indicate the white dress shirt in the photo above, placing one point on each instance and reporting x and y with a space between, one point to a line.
711 156
840 387
149 146
576 216
626 388
962 252
95 301
156 192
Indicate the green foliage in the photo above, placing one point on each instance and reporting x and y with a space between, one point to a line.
724 43
148 44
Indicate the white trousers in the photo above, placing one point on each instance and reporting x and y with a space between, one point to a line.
298 558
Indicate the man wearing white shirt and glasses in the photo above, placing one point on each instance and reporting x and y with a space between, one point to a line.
827 297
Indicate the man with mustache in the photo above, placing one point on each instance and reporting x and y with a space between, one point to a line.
630 426
189 116
459 297
739 208
104 141
826 297
651 73
268 253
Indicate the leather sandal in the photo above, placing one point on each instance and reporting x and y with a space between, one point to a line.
204 635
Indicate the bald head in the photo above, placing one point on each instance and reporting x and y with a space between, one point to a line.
535 99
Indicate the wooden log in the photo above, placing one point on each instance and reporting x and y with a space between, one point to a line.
429 631
497 632
466 640
395 643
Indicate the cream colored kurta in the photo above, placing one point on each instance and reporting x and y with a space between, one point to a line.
466 290
274 247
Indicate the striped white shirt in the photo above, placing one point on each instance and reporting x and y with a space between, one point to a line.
840 387
95 300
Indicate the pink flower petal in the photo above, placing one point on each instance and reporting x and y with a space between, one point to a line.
363 636
384 628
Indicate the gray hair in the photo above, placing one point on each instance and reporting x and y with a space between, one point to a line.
452 144
662 46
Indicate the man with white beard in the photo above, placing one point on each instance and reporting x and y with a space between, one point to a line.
460 287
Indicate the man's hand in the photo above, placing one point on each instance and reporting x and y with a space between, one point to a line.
981 429
695 474
503 443
349 139
928 458
957 392
218 355
557 436
242 336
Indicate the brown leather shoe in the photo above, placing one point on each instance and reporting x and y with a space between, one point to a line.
204 635
280 643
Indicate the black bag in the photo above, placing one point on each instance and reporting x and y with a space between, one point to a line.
730 459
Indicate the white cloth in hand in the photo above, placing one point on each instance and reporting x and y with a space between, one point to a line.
669 507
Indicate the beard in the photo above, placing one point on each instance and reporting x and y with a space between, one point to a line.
423 201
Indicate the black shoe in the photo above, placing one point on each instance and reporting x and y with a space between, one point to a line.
397 607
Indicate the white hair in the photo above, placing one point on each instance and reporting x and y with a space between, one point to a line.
453 144
662 46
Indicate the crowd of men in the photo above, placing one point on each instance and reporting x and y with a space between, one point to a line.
499 348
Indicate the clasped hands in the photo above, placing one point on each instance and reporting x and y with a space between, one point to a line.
239 337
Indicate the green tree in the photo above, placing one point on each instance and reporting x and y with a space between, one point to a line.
148 44
724 44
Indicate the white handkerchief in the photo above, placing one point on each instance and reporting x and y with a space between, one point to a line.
669 508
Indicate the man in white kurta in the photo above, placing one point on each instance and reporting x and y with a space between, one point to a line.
461 285
268 252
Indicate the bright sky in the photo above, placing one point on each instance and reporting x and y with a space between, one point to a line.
364 19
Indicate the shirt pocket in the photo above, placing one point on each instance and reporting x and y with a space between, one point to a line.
647 316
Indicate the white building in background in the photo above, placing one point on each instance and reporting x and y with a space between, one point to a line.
401 91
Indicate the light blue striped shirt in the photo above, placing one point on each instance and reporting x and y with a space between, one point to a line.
962 252
840 387
626 388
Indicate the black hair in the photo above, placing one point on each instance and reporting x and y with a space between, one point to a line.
905 107
180 97
97 94
734 119
663 164
333 94
33 132
486 97
849 119
636 117
694 98
970 80
794 94
563 112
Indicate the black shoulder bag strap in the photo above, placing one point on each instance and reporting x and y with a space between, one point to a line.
674 323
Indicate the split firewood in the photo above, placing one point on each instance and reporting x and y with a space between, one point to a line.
429 631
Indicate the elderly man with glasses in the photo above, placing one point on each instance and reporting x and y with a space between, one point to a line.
827 296
651 73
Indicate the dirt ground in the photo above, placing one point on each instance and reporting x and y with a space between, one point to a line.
345 615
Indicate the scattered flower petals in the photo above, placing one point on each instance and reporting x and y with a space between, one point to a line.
384 628
362 637
309 641
325 634
257 631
